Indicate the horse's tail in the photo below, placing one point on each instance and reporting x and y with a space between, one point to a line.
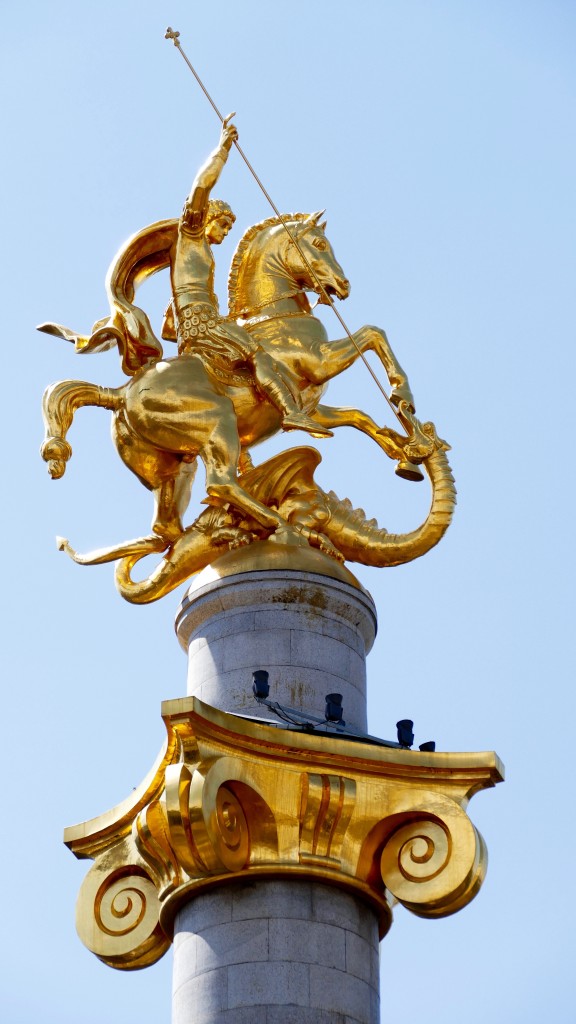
59 404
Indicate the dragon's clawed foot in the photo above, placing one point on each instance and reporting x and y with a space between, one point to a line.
320 541
233 536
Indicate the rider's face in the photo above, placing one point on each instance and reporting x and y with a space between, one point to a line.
217 229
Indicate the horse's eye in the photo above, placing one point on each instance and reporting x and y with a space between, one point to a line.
319 243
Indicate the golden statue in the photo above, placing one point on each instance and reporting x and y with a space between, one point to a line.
236 381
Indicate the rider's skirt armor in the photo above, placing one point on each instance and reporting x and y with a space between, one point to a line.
202 331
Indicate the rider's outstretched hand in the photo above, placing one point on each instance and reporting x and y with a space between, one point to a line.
229 133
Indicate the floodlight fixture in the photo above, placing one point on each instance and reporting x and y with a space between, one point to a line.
260 684
332 724
405 732
333 711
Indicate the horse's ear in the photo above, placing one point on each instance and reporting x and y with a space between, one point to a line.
313 218
322 226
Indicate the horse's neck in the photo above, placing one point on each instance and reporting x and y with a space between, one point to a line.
266 283
291 305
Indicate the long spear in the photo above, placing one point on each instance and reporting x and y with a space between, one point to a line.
175 37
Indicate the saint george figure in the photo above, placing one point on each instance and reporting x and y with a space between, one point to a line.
222 344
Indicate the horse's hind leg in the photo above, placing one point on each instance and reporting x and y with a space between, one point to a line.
220 455
171 500
59 404
164 473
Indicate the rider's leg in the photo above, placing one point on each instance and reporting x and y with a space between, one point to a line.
274 387
241 345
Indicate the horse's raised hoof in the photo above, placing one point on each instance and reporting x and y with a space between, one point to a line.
299 421
409 471
216 500
402 394
56 451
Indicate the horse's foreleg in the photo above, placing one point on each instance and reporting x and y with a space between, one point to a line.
335 356
374 339
391 442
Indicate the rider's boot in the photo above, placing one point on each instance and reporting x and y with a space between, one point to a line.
298 420
273 386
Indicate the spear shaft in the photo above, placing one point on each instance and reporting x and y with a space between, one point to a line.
174 36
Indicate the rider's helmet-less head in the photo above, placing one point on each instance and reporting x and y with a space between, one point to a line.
218 208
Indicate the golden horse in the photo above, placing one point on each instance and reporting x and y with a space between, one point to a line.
175 410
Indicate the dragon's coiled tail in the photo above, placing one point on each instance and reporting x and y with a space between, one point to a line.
59 403
191 553
364 541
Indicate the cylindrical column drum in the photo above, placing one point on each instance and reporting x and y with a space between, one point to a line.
310 632
276 952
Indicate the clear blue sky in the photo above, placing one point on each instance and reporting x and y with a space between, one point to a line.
440 137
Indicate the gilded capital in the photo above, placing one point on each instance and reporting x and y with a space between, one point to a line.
232 799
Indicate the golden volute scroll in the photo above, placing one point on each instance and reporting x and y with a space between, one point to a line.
235 381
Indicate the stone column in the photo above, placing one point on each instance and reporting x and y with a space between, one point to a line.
310 632
277 951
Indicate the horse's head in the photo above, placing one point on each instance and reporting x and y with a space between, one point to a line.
320 266
268 265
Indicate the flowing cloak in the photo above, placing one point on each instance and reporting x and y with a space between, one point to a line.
127 326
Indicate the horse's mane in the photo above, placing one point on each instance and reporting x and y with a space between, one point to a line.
243 244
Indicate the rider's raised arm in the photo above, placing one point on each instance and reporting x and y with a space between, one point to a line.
197 202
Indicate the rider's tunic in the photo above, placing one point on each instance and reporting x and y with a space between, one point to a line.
200 328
